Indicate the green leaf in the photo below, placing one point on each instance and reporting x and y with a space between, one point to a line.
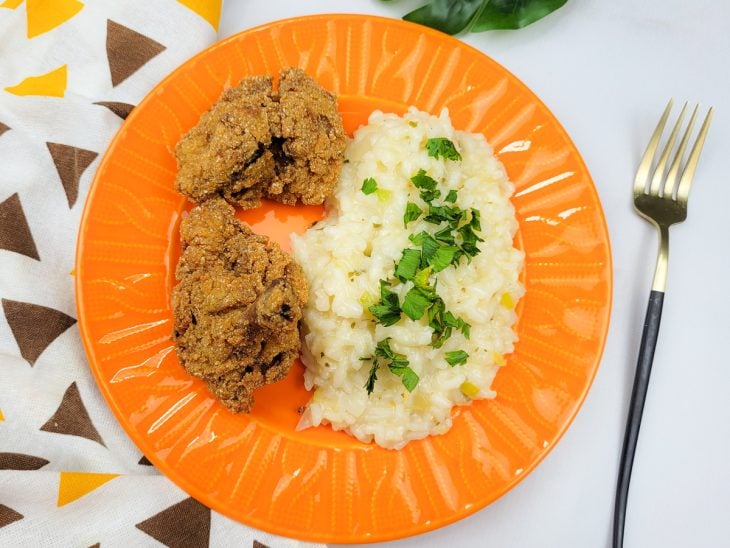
410 379
413 212
429 196
451 196
387 311
476 217
441 147
408 264
449 16
443 257
445 236
422 181
421 278
457 357
399 365
469 241
369 186
441 214
415 303
512 14
385 314
429 246
372 376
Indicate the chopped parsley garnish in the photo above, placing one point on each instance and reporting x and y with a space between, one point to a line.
408 265
455 236
441 147
397 363
415 303
369 186
443 257
428 244
413 212
423 182
457 357
387 311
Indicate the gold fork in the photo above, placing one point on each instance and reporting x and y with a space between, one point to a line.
661 198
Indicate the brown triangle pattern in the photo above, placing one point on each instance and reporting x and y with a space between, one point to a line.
3 128
14 230
257 544
97 545
127 50
8 515
34 326
19 461
120 109
71 162
185 524
144 461
71 418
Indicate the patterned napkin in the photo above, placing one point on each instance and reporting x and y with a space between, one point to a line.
70 72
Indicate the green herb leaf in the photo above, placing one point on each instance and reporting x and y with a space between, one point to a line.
441 147
513 14
429 196
476 217
448 16
457 357
413 212
422 181
444 214
428 244
372 376
421 278
469 241
445 236
369 186
410 379
451 196
415 303
387 311
399 364
443 257
385 314
408 264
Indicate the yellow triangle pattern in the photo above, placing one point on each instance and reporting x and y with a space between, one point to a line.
45 15
12 4
2 417
51 84
74 485
210 10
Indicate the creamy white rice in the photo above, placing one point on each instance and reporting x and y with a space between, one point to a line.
346 255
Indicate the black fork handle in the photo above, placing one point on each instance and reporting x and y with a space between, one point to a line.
636 409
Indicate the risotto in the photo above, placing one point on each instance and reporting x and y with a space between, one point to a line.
413 281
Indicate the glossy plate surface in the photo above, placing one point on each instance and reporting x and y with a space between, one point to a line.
318 484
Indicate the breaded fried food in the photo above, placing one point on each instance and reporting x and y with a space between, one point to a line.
255 143
236 307
306 125
227 152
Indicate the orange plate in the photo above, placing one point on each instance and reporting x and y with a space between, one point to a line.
319 484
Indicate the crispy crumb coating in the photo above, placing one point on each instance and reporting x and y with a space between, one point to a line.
236 307
253 143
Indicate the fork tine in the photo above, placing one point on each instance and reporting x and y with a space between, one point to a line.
686 181
658 178
674 169
642 174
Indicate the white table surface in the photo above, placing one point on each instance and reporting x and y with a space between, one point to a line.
606 69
